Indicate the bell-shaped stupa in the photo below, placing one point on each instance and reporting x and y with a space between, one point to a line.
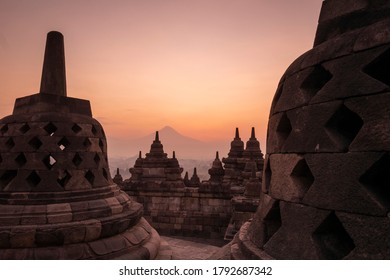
57 198
326 183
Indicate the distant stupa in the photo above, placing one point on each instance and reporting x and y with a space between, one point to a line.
57 198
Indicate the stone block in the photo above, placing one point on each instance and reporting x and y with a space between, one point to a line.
375 132
92 230
291 177
115 206
59 213
22 237
293 94
374 35
294 238
369 234
266 221
5 239
333 48
290 130
332 9
33 214
74 234
348 182
354 82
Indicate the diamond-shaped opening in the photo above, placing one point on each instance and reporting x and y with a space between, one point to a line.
35 143
343 127
63 178
377 179
33 179
316 80
105 173
76 128
10 143
90 177
272 222
49 161
21 159
101 145
50 128
379 69
94 130
24 128
7 177
267 175
332 240
63 143
96 158
283 129
302 176
4 128
87 143
77 159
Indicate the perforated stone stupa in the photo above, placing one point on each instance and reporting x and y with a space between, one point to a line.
57 199
326 184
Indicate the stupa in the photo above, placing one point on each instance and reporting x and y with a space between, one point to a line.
156 167
231 164
325 191
252 152
216 171
57 198
118 179
194 182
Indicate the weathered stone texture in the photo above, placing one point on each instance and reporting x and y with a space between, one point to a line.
57 198
325 188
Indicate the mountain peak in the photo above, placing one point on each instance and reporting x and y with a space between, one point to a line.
168 128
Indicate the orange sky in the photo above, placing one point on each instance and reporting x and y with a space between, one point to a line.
203 67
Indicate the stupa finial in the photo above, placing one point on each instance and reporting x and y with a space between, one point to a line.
253 136
53 73
237 133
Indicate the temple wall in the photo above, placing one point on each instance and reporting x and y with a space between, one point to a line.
201 212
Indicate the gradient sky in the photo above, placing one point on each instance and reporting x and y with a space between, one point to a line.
203 67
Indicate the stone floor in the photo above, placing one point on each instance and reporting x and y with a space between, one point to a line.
189 248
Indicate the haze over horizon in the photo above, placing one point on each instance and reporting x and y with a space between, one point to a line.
202 67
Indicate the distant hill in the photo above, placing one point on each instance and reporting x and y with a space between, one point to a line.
185 147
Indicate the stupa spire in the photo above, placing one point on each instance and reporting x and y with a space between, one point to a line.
253 136
157 137
237 134
53 73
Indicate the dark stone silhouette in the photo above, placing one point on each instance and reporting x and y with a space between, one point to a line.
118 178
325 192
216 171
156 167
57 198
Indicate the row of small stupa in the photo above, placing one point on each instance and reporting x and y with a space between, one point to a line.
157 167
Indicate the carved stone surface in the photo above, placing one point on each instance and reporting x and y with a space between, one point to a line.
57 198
325 192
